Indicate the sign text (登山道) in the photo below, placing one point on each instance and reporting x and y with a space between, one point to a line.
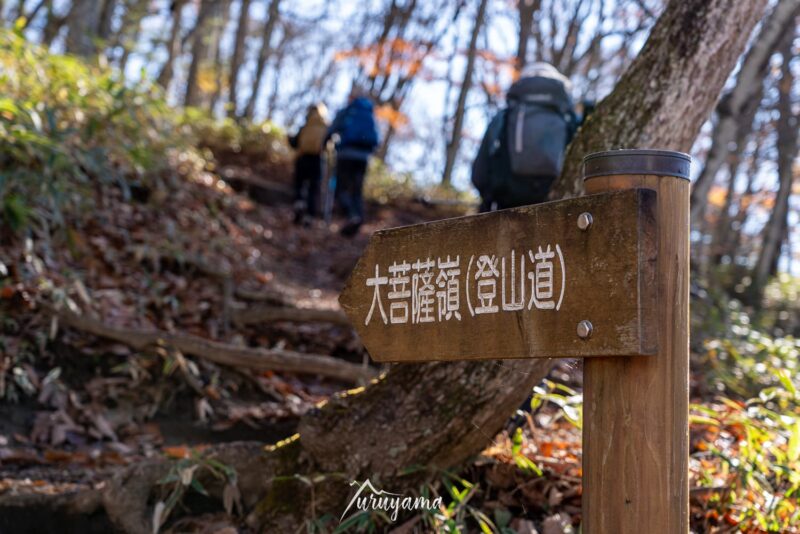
512 284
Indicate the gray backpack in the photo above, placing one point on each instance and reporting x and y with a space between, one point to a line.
540 122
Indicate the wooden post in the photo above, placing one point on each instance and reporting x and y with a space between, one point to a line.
636 433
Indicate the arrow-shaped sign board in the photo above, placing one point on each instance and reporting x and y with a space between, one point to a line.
572 278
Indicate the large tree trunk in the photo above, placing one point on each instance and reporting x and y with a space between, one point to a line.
129 32
194 94
717 248
273 15
719 229
665 96
787 153
106 19
731 240
52 25
217 31
440 414
733 105
173 44
82 23
458 121
238 55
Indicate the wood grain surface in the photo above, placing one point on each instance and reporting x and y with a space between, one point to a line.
454 296
636 433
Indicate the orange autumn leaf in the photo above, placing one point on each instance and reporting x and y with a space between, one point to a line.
284 387
208 79
177 451
491 57
395 118
388 56
60 456
717 195
707 465
731 520
768 202
264 277
738 430
182 451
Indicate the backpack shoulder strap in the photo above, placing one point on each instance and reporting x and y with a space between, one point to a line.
495 130
482 166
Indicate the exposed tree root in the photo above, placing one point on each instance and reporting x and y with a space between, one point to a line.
127 499
127 494
222 353
261 470
53 507
78 502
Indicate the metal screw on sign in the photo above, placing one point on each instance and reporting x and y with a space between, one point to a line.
584 329
585 220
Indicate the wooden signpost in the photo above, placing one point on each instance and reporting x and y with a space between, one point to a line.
602 277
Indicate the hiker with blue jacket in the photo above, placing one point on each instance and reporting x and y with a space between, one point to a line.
522 151
357 139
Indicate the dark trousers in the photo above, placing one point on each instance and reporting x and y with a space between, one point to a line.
307 178
350 187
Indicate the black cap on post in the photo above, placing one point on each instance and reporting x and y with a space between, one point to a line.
634 161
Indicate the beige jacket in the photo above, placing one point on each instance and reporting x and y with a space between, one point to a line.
312 134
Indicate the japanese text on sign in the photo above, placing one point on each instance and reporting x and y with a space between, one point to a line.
434 290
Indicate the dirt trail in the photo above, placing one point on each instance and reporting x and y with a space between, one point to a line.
166 259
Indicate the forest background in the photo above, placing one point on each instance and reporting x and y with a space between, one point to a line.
149 268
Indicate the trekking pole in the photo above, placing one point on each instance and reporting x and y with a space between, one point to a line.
323 186
330 188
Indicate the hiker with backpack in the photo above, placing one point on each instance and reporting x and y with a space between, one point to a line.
357 139
522 151
309 145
